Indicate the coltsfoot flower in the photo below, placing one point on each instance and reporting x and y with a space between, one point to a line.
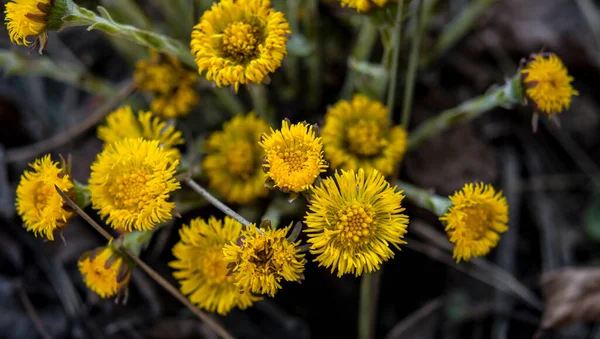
260 260
131 182
41 207
353 220
105 271
201 268
363 5
239 41
294 157
122 124
475 220
357 135
547 83
234 159
25 18
170 83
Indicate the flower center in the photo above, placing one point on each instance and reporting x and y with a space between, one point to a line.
240 41
132 190
478 220
355 222
240 160
364 138
214 267
42 195
295 159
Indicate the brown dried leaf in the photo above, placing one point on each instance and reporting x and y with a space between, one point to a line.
572 295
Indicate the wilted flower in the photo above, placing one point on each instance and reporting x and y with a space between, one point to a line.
475 220
105 271
353 220
201 268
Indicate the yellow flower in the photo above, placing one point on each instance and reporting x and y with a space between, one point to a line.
201 267
41 207
260 260
239 41
122 124
171 84
105 271
234 159
363 5
26 18
294 156
352 221
130 183
548 84
475 220
356 135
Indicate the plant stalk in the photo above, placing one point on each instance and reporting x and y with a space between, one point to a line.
369 291
424 198
396 45
413 63
361 51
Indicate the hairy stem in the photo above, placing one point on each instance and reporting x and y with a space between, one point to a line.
361 51
413 61
369 291
424 199
396 44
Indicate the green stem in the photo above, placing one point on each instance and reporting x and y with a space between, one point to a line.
311 23
259 96
14 63
228 100
457 29
396 45
424 199
413 62
361 51
369 290
504 96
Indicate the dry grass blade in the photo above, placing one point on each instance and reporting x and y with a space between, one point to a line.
414 318
152 273
572 295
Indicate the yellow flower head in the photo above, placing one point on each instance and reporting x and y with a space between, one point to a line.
131 182
105 271
548 84
357 135
122 124
475 220
234 159
171 84
260 261
201 268
239 41
41 207
363 5
352 221
294 156
26 18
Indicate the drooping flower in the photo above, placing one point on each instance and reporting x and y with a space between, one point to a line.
234 159
122 124
41 207
547 83
131 182
25 18
357 135
201 268
169 82
475 220
353 220
105 271
239 41
261 260
294 156
363 5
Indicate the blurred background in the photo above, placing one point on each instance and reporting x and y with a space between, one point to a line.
551 179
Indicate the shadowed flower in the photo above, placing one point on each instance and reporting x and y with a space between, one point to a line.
294 156
131 182
357 135
475 220
260 260
201 268
353 219
25 18
170 83
363 5
234 159
105 271
122 124
547 83
41 207
239 41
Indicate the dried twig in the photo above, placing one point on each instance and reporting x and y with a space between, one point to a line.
37 322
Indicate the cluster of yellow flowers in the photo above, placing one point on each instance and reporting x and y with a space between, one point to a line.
354 217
